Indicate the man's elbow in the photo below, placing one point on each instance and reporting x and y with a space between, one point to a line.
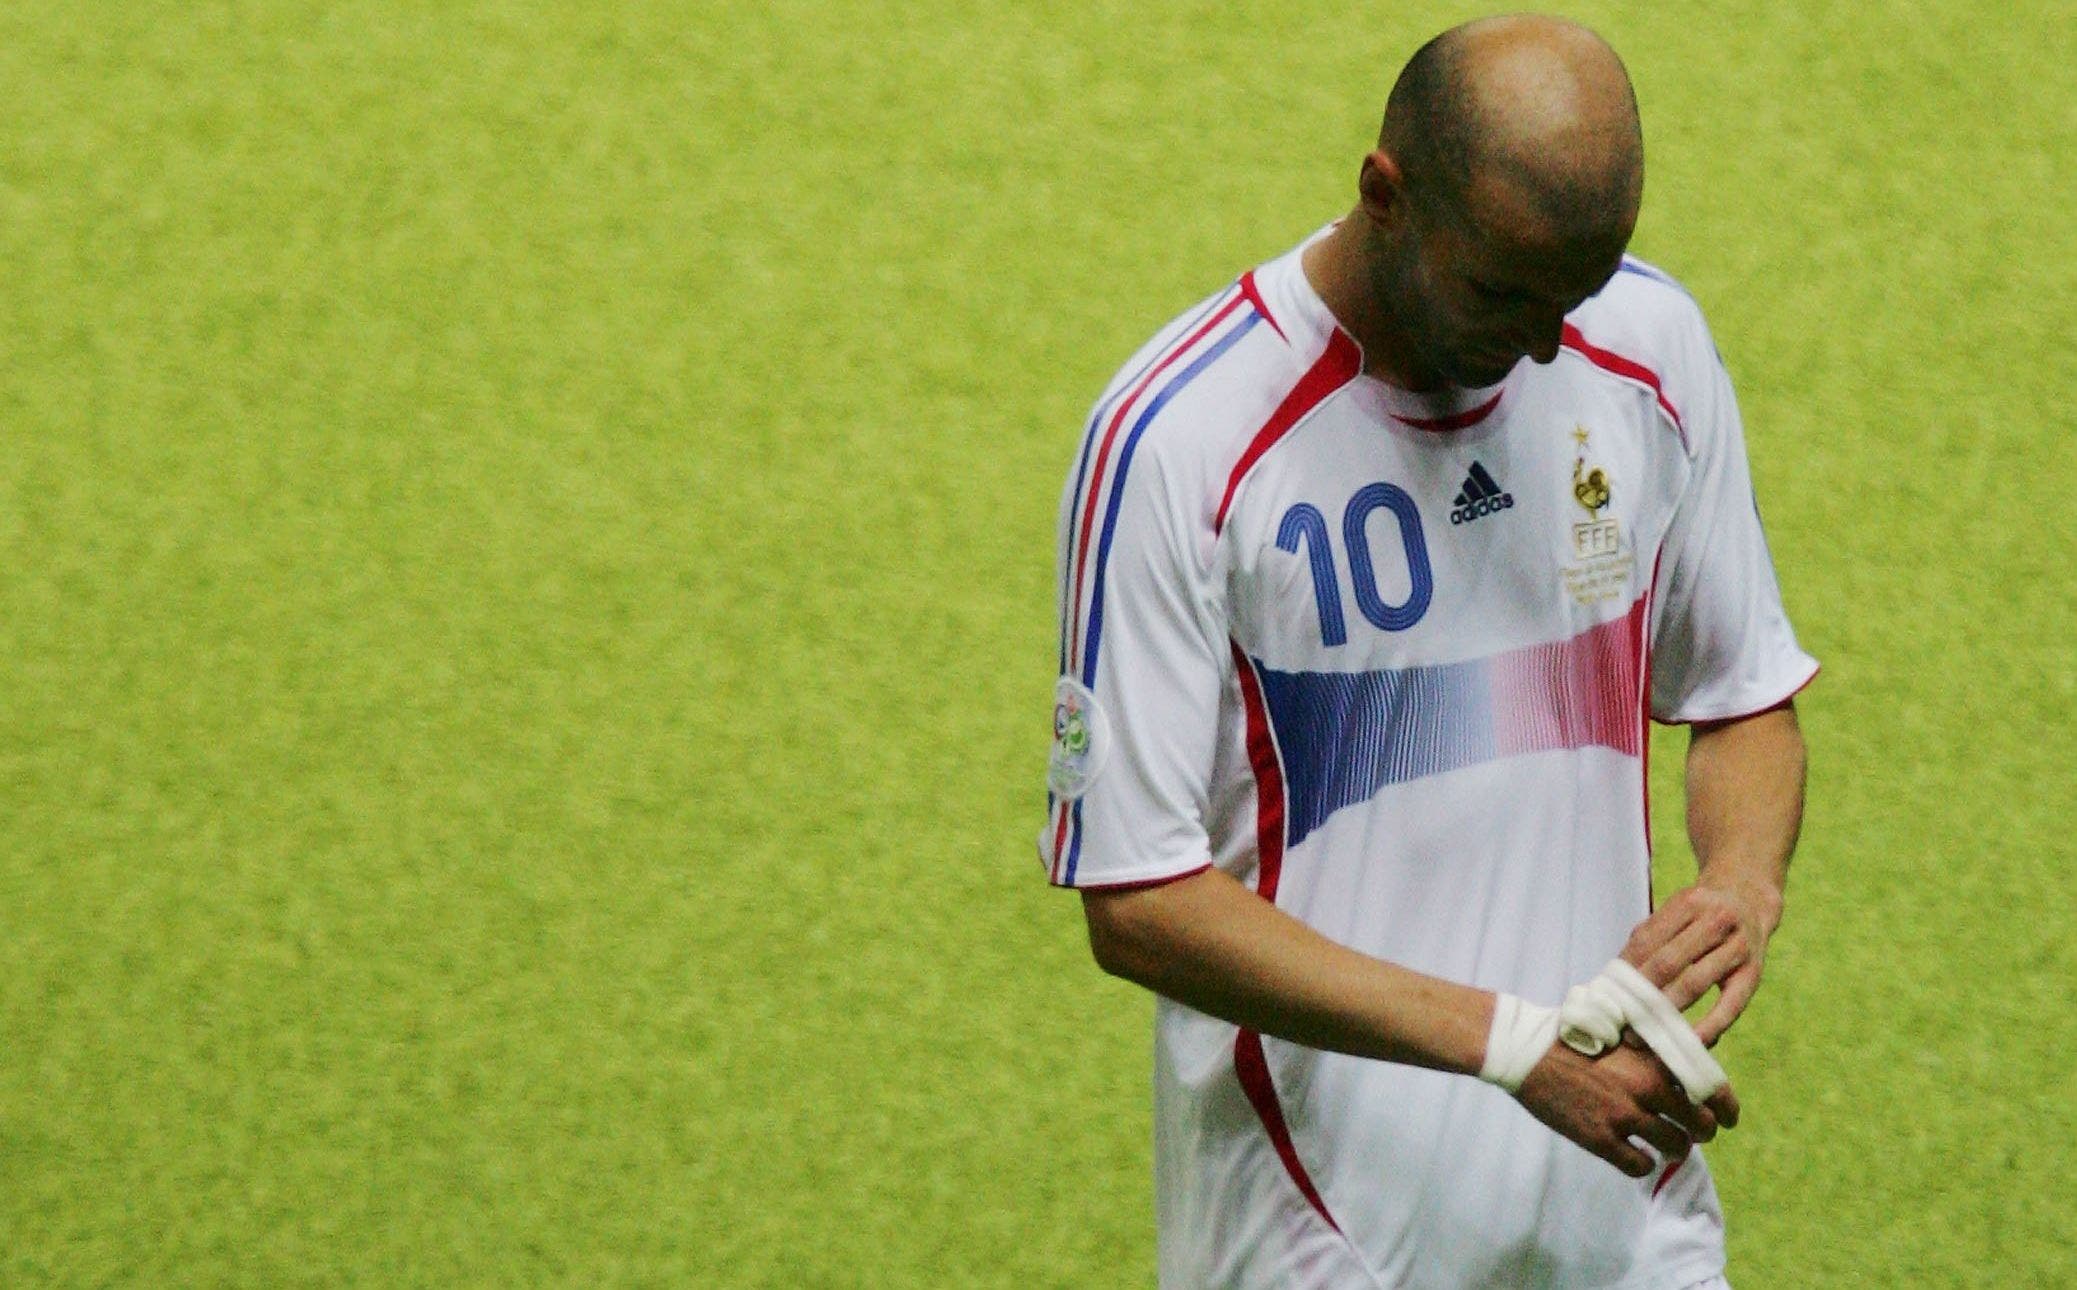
1110 935
1123 931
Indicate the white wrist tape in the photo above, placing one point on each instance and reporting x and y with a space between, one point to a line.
1593 1016
1522 1033
1591 1019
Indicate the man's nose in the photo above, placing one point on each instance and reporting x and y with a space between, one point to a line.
1544 341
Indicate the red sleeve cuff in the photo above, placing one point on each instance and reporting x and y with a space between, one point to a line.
1136 884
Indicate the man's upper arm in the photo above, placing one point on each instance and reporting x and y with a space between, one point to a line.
1145 668
1722 646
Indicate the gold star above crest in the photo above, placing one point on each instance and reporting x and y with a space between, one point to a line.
1579 435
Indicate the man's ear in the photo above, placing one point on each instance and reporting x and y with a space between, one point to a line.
1381 188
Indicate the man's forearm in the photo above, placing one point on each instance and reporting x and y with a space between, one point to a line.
1745 805
1209 942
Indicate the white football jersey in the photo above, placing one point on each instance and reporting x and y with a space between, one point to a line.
1389 660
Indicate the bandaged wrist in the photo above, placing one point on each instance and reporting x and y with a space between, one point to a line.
1593 1016
1522 1033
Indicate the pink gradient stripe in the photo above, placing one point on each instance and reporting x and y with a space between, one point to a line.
1573 693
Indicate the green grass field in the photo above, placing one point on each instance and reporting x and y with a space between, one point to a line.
525 618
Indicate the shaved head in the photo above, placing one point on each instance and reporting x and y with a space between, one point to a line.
1500 197
1527 110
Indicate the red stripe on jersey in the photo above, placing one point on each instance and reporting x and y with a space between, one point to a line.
1782 702
1627 368
1667 1177
1254 295
1644 709
1249 1062
1103 454
1269 780
1141 884
1333 369
1253 1068
1060 839
1461 421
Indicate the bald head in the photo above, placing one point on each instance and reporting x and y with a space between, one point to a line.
1528 110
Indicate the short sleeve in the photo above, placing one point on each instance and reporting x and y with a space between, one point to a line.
1144 666
1722 646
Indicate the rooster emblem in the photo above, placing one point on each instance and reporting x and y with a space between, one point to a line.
1590 487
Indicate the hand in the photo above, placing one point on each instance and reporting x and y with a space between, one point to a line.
1707 936
1603 1102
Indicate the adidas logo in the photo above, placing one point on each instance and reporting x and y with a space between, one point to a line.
1481 496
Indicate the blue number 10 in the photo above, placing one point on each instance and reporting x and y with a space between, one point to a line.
1304 522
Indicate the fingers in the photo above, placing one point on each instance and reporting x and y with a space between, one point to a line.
1738 991
1665 1097
1724 1106
1624 1155
1701 1120
1698 1122
1588 1103
1706 932
1622 1107
1652 935
1684 929
1663 1116
1671 1141
1714 967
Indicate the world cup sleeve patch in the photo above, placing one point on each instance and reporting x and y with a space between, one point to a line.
1081 740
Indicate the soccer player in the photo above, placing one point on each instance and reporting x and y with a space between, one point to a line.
1374 566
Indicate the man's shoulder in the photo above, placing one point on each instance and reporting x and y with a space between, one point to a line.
1647 326
1646 311
1204 383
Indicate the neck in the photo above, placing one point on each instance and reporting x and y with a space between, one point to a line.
1341 266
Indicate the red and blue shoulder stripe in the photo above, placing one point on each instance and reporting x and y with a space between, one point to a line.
1109 445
